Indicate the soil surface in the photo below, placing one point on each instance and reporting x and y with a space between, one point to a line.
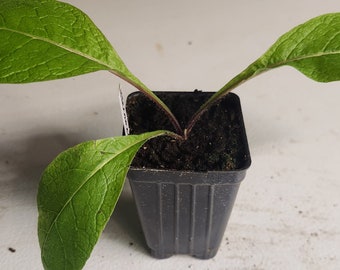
216 143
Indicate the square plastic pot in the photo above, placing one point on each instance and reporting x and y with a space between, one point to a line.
186 212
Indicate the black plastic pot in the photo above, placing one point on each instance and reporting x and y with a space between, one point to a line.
186 212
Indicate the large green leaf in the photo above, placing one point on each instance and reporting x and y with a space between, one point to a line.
313 48
77 194
47 39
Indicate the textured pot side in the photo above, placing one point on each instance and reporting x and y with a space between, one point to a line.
185 212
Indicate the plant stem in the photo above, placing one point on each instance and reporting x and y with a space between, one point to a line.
175 136
146 91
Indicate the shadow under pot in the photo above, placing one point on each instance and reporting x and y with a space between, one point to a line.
185 190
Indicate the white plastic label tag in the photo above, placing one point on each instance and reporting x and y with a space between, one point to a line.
123 112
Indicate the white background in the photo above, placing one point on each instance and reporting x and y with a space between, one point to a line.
287 213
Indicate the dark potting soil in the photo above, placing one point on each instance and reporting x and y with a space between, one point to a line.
216 143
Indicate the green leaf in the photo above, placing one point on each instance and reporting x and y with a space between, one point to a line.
77 194
46 39
313 48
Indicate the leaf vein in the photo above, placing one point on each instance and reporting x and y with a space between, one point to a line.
77 52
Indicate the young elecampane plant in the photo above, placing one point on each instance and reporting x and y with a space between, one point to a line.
46 40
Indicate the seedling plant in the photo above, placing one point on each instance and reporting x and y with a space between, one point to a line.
47 40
